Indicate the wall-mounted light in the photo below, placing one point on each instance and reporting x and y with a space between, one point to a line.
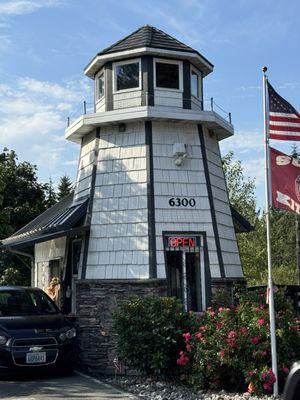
179 153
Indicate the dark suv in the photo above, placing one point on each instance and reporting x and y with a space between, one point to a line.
33 332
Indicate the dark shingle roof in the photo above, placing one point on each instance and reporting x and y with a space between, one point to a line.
62 216
148 36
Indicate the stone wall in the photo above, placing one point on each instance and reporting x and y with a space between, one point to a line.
95 302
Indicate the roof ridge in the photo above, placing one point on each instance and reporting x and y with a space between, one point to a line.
170 37
121 40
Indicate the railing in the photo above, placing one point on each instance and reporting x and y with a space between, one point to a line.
213 104
206 105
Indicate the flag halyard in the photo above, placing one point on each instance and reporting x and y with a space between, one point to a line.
284 119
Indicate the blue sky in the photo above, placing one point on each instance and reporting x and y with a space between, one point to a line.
45 44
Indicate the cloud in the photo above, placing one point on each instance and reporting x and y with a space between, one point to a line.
243 142
20 7
255 168
24 126
33 115
5 42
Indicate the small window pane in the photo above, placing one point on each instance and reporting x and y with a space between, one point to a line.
167 75
100 86
195 84
127 76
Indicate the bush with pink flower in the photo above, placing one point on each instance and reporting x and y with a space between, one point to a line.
231 347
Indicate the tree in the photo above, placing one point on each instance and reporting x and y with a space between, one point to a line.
51 197
64 187
241 190
22 198
253 246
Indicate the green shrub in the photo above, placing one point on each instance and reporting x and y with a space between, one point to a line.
231 347
150 332
11 276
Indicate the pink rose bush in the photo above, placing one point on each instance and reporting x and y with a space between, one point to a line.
230 348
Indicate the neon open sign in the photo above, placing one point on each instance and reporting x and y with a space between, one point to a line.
181 241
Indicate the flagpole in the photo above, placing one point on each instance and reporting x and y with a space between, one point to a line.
270 279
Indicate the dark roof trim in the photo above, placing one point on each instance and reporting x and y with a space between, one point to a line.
241 224
44 238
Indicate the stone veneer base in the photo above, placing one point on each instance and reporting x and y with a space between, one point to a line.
95 302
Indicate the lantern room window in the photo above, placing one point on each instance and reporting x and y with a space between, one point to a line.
100 86
127 75
196 83
168 74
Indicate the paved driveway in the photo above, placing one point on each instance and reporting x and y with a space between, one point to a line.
69 387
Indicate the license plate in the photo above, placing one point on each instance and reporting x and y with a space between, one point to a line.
35 358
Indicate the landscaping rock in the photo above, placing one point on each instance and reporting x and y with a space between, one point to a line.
152 390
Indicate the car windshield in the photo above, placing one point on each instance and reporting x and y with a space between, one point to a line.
25 302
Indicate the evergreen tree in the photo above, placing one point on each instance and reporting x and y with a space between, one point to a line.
51 197
64 187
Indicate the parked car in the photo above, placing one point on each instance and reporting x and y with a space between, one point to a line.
34 334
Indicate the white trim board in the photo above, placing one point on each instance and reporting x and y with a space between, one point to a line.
86 123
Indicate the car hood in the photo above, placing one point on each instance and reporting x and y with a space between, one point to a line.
33 322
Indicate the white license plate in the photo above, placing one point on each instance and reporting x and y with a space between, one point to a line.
35 358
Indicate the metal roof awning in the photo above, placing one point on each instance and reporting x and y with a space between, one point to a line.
62 219
241 224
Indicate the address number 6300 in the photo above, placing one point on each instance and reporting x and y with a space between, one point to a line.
181 202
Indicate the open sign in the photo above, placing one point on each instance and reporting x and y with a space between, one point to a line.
182 241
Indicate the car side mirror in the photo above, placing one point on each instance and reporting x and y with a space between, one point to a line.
292 385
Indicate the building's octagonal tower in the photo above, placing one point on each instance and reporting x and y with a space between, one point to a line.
150 163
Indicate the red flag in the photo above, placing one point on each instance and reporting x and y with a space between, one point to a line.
285 176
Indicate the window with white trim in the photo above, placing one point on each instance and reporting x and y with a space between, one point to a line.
196 83
100 86
127 75
168 74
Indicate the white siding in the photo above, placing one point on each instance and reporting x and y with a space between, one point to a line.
85 167
43 253
230 253
168 98
132 98
185 181
196 103
100 105
118 247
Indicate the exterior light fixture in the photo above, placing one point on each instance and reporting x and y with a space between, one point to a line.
179 153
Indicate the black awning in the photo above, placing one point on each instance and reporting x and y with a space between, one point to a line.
62 219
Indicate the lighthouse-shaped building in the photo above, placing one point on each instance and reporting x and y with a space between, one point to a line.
150 212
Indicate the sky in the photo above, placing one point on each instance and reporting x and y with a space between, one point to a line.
45 45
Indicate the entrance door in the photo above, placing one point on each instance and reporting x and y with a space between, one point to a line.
185 271
71 274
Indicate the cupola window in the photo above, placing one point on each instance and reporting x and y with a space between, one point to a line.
168 74
101 85
195 83
127 75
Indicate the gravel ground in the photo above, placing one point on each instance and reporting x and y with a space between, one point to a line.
152 390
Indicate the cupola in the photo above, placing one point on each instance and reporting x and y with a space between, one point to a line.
148 67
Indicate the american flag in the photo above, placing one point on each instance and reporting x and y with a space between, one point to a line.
284 119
